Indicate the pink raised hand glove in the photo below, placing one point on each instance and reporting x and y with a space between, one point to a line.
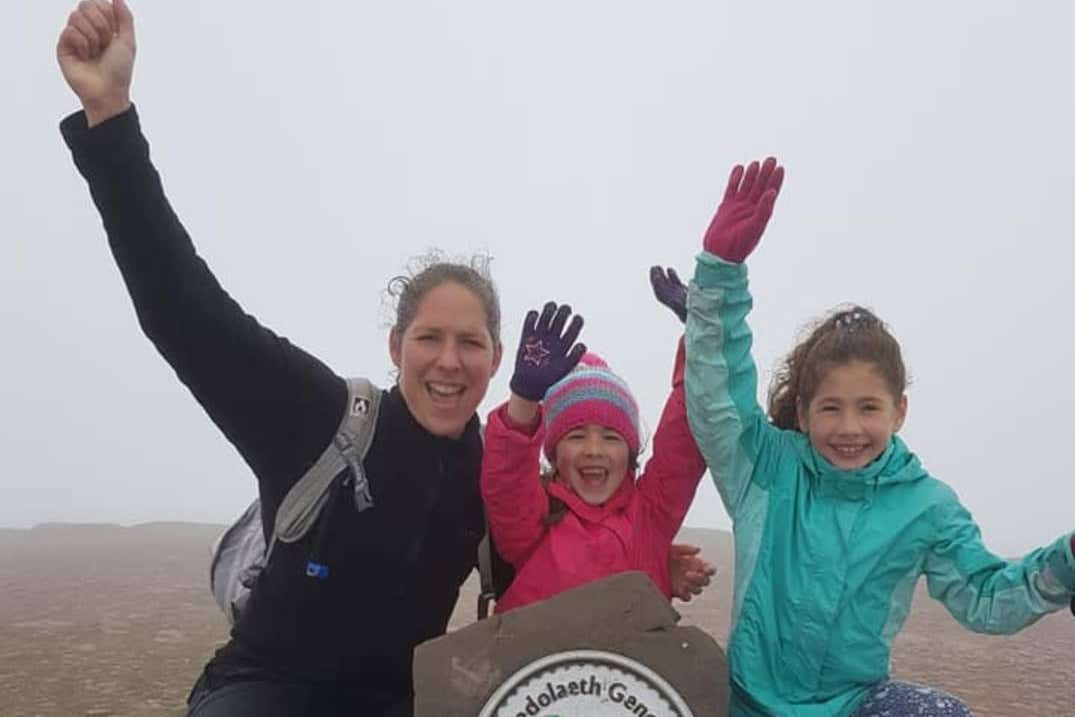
745 210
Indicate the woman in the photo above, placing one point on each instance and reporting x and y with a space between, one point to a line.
302 645
342 645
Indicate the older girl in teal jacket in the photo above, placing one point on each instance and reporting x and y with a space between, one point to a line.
834 518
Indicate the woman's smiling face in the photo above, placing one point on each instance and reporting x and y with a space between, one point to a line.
445 358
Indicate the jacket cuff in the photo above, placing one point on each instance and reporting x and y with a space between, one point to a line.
512 425
500 425
711 271
116 141
1062 562
679 365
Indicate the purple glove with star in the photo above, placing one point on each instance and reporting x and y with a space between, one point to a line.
547 351
669 290
744 211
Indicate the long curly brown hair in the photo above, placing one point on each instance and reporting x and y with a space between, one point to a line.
848 334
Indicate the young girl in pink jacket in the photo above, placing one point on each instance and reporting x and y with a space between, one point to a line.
590 517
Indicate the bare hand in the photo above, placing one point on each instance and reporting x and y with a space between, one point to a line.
688 573
96 55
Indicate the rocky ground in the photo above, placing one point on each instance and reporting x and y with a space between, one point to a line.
104 620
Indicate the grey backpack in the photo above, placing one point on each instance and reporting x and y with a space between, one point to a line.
240 554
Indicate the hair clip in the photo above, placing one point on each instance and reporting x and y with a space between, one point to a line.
854 318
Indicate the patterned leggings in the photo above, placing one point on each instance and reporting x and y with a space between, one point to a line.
903 699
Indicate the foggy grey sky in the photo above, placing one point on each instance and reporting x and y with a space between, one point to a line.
310 150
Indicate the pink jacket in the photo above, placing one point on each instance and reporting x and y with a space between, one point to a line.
631 531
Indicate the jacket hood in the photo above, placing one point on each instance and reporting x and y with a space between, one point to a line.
618 501
896 465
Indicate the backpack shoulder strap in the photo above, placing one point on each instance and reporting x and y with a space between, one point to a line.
486 593
495 573
303 503
356 434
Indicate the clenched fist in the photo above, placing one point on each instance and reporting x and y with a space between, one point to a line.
96 55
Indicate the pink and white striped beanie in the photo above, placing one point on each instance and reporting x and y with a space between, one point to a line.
591 393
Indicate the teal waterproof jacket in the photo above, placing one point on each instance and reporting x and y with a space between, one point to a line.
826 560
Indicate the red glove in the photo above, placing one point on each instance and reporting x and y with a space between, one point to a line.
745 210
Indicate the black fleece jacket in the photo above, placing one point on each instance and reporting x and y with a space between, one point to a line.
395 569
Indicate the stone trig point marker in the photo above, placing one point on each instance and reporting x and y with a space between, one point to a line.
607 648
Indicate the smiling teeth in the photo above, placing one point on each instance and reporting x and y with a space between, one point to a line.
444 390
